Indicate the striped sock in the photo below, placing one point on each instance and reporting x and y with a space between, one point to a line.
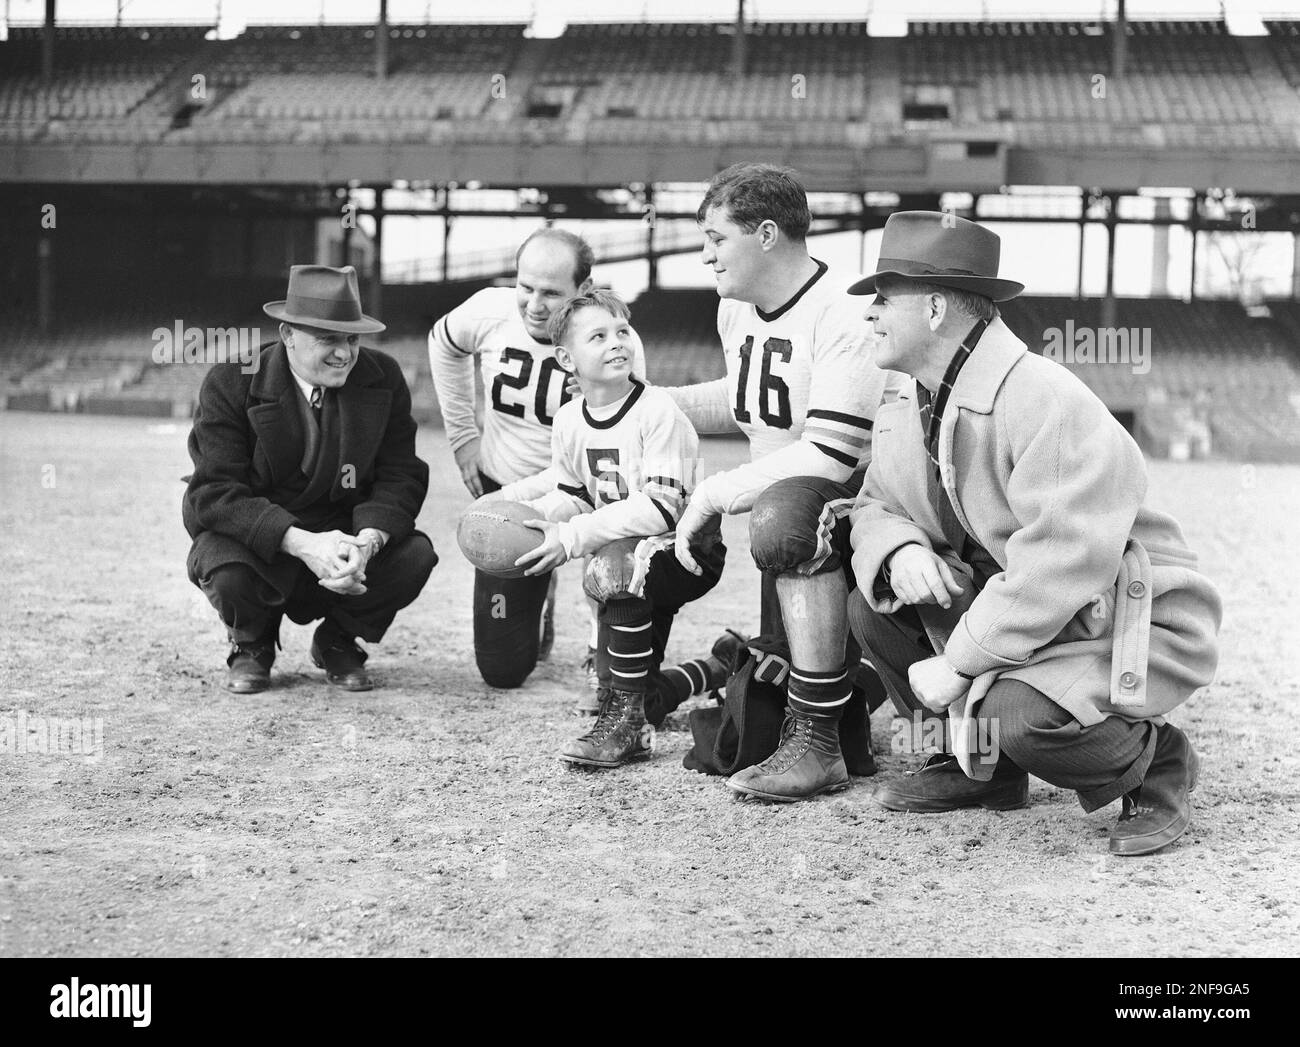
819 692
630 643
697 676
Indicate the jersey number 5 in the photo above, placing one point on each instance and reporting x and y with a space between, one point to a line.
548 370
769 385
603 463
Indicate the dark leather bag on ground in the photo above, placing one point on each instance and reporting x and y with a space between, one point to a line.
746 728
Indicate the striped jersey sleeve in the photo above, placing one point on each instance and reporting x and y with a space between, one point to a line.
847 388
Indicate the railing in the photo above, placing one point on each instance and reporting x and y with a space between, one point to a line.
674 236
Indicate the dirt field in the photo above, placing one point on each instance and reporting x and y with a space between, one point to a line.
432 817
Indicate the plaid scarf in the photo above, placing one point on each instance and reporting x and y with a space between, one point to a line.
931 408
931 405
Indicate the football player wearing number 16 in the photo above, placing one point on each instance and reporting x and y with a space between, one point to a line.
523 387
802 385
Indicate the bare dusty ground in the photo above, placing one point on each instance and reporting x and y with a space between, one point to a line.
432 817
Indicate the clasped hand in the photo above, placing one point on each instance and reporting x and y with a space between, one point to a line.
338 559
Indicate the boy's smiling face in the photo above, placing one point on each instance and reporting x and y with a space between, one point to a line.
597 347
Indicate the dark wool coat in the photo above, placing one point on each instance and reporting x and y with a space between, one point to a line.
248 441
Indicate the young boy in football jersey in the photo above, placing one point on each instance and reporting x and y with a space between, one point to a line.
523 387
624 460
801 384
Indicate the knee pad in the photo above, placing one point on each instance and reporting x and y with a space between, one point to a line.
610 569
787 531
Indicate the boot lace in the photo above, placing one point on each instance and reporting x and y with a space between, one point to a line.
796 736
612 711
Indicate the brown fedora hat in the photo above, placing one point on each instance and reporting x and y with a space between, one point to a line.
942 249
321 296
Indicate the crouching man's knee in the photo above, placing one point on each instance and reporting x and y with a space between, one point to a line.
793 526
610 570
507 671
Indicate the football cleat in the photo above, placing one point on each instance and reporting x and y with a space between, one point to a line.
619 735
807 763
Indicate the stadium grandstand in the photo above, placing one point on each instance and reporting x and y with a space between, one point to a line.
169 173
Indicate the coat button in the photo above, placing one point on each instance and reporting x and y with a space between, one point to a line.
1136 590
1128 680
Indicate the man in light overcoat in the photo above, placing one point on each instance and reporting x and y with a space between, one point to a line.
1013 576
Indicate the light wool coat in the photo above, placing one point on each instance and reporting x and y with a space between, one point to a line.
1099 603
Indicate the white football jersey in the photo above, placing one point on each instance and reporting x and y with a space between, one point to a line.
803 375
623 470
523 383
805 371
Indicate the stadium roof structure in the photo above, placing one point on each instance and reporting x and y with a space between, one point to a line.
210 13
967 105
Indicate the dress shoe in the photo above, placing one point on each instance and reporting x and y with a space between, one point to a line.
250 666
941 785
619 735
342 660
807 763
1158 811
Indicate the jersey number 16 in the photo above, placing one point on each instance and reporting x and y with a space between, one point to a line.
770 386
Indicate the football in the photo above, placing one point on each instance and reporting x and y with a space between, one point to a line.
493 537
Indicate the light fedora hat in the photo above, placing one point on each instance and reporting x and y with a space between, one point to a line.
942 249
321 296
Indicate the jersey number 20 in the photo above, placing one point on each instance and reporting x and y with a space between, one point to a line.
547 371
770 386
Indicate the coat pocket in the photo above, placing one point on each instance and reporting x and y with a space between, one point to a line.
1093 621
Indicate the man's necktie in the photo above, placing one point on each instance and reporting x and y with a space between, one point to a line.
311 445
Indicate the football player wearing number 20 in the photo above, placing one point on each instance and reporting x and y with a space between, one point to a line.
801 384
524 387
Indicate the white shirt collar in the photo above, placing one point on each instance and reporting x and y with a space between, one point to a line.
306 387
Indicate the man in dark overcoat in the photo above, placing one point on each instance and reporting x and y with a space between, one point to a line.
306 486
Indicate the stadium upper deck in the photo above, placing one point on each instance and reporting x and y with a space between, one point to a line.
1186 85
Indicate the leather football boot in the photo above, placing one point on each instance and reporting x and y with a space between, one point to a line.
940 784
806 763
1159 811
342 660
250 666
619 735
